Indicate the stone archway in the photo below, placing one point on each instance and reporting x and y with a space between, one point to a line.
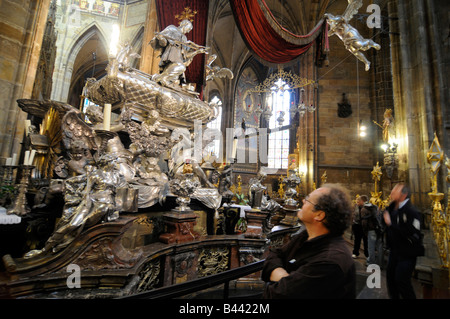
78 63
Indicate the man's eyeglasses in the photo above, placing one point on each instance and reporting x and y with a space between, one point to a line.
306 199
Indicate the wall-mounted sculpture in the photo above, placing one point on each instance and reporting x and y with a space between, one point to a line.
352 39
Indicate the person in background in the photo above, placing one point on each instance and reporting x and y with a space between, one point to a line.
403 238
316 263
357 230
370 227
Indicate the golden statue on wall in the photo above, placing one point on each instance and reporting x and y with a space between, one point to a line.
387 126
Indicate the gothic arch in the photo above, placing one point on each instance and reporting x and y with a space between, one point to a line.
76 62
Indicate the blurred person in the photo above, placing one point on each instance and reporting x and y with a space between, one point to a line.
357 230
403 238
370 228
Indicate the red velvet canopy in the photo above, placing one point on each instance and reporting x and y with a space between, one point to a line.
262 33
167 10
268 39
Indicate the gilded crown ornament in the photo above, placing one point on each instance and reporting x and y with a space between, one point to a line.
187 14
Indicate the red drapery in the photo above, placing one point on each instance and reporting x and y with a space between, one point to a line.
167 10
268 39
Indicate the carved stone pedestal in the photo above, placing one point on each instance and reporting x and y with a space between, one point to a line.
180 227
99 258
290 219
255 223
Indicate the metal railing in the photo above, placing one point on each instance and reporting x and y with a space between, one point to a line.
196 285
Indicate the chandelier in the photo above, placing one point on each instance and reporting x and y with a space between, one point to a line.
278 83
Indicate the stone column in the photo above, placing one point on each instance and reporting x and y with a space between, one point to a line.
149 57
417 111
22 29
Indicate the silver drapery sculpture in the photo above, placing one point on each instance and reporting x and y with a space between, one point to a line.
256 189
102 177
352 39
89 198
291 182
257 193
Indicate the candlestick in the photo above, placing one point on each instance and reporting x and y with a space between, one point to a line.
20 205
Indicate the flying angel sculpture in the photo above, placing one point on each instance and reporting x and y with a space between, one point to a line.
213 72
353 41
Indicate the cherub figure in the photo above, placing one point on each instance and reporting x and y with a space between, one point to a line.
213 72
353 41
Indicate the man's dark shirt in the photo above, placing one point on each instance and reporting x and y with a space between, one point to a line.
320 268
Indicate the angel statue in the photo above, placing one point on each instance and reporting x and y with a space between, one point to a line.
89 198
213 72
177 53
122 61
184 150
125 56
353 41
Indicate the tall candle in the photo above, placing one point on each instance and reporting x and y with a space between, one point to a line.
234 151
14 159
107 117
31 158
26 158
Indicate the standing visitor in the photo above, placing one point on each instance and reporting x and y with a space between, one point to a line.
404 240
357 230
370 227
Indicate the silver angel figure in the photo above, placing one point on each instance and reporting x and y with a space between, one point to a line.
353 41
184 150
213 72
88 199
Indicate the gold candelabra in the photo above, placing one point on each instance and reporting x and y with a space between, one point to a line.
440 220
281 187
376 194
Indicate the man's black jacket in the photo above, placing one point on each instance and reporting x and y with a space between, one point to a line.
320 268
403 236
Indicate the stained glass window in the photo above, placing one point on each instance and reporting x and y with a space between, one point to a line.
278 149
